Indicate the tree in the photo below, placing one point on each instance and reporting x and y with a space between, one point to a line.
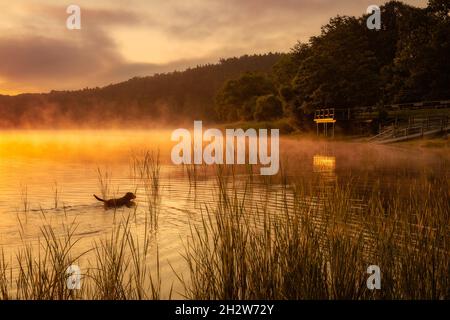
268 107
341 69
441 8
238 94
170 97
421 69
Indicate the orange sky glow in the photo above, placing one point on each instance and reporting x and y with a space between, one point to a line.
122 39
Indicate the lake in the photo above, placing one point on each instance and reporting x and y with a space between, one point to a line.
49 178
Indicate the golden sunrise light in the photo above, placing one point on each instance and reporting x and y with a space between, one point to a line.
119 40
223 156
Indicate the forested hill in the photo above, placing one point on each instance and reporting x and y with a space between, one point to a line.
347 65
350 65
158 99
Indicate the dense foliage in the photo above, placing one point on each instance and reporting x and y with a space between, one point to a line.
349 65
157 99
346 66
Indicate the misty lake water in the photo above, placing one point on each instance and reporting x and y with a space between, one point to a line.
49 177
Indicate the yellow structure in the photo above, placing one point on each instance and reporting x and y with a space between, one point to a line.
324 117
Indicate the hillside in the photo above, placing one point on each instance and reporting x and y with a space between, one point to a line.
163 98
347 66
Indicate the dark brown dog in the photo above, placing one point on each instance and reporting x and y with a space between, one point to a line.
116 203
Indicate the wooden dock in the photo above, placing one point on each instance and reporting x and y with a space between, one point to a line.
399 122
325 117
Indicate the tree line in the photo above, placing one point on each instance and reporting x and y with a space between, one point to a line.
349 65
166 98
346 66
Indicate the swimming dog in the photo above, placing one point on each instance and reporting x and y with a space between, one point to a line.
116 203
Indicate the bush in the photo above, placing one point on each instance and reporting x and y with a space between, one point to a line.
268 107
247 110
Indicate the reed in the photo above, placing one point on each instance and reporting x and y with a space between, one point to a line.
284 237
104 181
119 269
41 269
121 265
146 169
320 245
25 200
56 195
118 265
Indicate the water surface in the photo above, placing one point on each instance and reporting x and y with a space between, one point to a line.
49 177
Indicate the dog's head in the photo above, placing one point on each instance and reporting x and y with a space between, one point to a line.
130 196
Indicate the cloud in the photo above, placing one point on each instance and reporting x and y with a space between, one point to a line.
42 61
37 52
93 15
45 59
61 64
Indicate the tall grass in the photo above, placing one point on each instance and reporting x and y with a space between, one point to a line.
25 201
104 180
123 264
56 195
121 269
41 269
284 237
319 246
147 169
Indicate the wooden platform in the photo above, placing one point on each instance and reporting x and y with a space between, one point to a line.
324 117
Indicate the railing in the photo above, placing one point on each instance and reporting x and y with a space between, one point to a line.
444 104
366 111
324 114
416 127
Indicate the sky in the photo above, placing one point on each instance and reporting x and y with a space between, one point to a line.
120 39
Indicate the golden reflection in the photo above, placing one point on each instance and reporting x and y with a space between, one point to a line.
86 145
324 164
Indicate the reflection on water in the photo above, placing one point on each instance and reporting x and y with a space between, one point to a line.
84 145
55 174
324 164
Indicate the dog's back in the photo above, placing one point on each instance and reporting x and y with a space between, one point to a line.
126 200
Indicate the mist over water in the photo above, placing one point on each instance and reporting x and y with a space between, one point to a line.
55 173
